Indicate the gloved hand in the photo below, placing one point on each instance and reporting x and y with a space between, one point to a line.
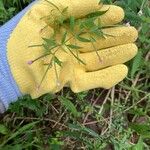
29 28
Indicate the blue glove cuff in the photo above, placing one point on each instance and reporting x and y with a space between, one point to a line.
9 91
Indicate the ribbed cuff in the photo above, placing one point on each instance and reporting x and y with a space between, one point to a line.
2 108
9 90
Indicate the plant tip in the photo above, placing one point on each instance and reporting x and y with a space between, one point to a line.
128 24
58 84
30 62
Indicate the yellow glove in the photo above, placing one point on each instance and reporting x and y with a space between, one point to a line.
115 49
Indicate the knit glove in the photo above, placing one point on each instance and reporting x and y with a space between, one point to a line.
80 70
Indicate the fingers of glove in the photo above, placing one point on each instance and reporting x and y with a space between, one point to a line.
109 57
114 36
105 78
79 9
114 15
75 8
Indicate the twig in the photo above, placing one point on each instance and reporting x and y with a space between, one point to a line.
92 122
105 100
59 120
54 109
137 102
89 113
39 119
147 56
133 85
111 109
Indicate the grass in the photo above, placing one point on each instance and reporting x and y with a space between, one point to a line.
115 119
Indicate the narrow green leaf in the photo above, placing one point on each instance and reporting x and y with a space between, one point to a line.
91 132
64 11
19 131
3 129
73 46
69 105
64 37
136 64
84 129
96 14
82 39
72 23
57 61
50 42
88 23
53 5
75 135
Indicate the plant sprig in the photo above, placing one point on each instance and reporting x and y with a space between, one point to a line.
86 26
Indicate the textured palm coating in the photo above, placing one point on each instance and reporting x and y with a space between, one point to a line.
109 72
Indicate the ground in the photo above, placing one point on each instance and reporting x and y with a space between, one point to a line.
115 119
